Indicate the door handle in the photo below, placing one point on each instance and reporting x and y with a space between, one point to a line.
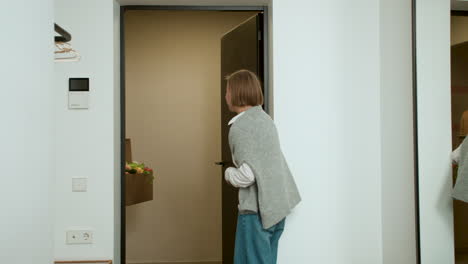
220 163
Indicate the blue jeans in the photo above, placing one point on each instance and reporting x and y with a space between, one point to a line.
255 245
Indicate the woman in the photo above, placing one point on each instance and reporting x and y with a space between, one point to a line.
267 191
460 156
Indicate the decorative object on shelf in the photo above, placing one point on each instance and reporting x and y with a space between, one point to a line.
136 167
138 179
64 51
63 36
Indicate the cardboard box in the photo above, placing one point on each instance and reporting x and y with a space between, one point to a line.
128 150
138 188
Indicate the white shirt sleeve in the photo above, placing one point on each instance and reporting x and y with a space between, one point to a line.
456 155
241 177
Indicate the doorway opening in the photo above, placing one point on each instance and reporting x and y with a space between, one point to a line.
175 121
459 96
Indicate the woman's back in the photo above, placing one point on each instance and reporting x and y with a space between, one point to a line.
254 140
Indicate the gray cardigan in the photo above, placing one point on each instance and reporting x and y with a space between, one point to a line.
460 191
253 139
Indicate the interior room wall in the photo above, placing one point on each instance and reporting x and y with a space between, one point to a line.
396 80
87 141
328 112
326 70
27 132
434 131
173 96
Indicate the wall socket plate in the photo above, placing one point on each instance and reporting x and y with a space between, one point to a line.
79 184
79 237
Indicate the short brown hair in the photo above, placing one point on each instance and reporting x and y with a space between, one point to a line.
245 88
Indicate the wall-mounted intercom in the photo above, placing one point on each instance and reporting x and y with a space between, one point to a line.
78 93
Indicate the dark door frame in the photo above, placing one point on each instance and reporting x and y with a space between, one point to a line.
417 221
267 103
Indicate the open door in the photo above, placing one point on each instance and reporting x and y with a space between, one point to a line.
241 48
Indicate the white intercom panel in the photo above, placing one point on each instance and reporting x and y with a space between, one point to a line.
78 93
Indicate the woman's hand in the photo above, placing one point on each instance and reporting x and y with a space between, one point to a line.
241 177
456 156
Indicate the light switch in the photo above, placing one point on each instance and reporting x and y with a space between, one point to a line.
79 184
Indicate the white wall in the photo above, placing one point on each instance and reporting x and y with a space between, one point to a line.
398 206
330 109
433 77
327 109
87 140
27 132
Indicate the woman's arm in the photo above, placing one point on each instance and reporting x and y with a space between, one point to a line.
456 155
241 177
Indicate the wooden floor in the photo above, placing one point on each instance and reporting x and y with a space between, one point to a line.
212 262
459 259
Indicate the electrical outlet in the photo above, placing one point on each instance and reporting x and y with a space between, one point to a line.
79 237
